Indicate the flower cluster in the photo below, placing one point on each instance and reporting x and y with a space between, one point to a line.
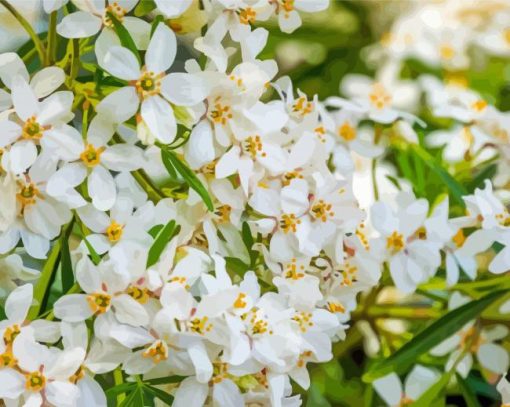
209 224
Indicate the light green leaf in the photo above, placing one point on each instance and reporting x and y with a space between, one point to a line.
162 238
125 38
174 164
431 336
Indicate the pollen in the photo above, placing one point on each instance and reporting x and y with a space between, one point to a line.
421 233
240 301
220 372
140 295
289 176
347 131
336 307
321 133
117 11
99 302
78 375
379 97
7 359
91 156
289 222
158 352
35 381
220 113
223 213
446 51
459 238
149 84
11 333
302 106
395 242
114 231
181 280
293 272
479 105
322 210
200 325
288 5
304 320
470 340
253 146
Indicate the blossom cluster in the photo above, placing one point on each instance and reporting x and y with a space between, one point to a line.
208 214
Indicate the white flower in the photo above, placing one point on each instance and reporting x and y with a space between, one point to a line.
13 271
416 383
288 17
149 86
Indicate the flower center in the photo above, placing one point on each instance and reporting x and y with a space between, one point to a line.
78 375
27 195
10 334
503 218
91 156
347 132
117 11
240 302
247 16
321 210
253 146
379 97
395 242
141 295
288 5
32 130
158 352
446 51
99 302
459 238
7 359
149 84
302 106
320 132
506 35
292 270
470 340
289 176
35 381
258 325
303 320
479 106
200 325
336 307
289 222
219 113
181 280
223 213
114 231
220 372
405 401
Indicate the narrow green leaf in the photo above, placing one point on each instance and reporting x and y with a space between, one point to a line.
160 394
41 289
144 7
162 238
431 336
237 266
96 258
120 388
467 392
248 242
165 380
66 267
170 160
125 38
455 188
428 398
155 23
2 313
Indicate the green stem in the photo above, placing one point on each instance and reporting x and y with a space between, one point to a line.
374 179
75 61
153 192
52 38
28 28
119 379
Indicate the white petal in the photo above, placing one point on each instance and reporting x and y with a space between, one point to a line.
199 150
122 63
184 89
87 275
102 188
419 380
493 357
139 29
122 157
12 65
228 164
100 130
129 311
9 131
91 393
47 80
36 246
501 263
23 98
22 155
18 302
191 393
79 25
289 22
120 105
13 383
389 388
62 393
162 49
62 183
65 142
201 361
311 6
227 394
173 8
72 308
159 118
56 108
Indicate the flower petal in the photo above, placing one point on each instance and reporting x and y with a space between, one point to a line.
18 302
120 105
122 63
102 188
79 25
159 118
73 308
184 89
162 49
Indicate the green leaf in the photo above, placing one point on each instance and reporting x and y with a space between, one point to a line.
41 289
160 394
144 7
174 164
455 188
96 258
427 399
467 392
120 388
66 267
236 265
165 380
248 242
155 23
125 38
162 238
431 336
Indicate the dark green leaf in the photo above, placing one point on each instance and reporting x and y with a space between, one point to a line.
125 38
237 266
456 190
160 394
96 258
160 241
144 7
248 242
174 164
165 380
431 336
66 267
467 392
